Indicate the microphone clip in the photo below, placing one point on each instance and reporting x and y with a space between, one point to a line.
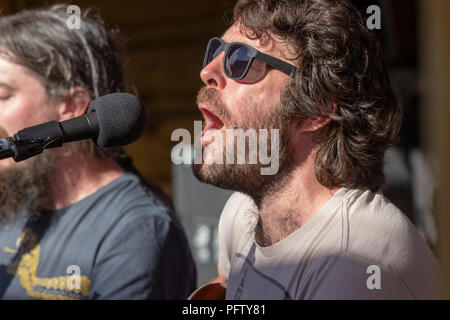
32 141
24 149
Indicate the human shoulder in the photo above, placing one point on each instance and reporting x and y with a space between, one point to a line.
125 208
379 233
127 195
376 227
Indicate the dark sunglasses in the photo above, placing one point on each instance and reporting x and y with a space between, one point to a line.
242 62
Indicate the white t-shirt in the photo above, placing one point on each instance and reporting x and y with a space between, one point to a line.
357 246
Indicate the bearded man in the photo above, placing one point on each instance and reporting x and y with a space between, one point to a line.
320 228
77 222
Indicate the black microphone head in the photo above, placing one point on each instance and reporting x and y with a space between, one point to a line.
121 119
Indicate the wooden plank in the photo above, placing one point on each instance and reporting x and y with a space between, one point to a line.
435 79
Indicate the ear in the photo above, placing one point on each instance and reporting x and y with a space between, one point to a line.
314 124
75 103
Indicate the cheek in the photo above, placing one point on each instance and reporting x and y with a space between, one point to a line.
22 113
12 121
250 102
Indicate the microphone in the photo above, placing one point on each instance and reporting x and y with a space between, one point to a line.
112 120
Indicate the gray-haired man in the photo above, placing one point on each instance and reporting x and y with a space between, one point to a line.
77 222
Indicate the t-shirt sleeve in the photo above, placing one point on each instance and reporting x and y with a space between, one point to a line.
143 257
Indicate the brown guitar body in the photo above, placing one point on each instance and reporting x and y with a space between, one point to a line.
210 291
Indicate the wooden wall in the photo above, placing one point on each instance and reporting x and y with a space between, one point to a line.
434 50
4 6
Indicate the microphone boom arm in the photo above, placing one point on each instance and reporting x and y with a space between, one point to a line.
32 141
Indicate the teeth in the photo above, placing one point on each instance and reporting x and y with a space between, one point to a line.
208 134
212 119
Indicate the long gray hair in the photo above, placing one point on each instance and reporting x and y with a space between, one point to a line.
64 58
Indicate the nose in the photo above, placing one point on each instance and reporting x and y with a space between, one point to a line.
213 75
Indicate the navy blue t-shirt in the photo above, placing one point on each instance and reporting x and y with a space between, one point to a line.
120 242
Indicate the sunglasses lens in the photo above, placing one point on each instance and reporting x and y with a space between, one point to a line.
256 72
237 61
214 49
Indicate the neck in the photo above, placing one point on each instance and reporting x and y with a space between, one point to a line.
291 205
80 175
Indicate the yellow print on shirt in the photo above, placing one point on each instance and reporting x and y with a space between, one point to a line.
25 265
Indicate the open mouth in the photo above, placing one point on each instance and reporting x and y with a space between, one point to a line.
213 122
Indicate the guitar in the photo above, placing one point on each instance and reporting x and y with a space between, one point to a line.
210 291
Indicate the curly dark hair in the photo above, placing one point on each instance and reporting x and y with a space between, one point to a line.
340 62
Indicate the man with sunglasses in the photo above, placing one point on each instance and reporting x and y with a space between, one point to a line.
320 228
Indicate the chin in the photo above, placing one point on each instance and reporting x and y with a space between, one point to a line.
229 177
211 174
201 173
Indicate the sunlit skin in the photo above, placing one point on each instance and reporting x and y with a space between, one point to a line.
24 102
245 101
302 196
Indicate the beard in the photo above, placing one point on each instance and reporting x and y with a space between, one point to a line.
247 178
24 187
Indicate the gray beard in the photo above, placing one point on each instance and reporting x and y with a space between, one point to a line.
24 188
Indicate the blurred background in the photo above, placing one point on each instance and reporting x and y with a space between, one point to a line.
164 43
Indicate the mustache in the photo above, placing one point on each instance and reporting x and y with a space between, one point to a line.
210 97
